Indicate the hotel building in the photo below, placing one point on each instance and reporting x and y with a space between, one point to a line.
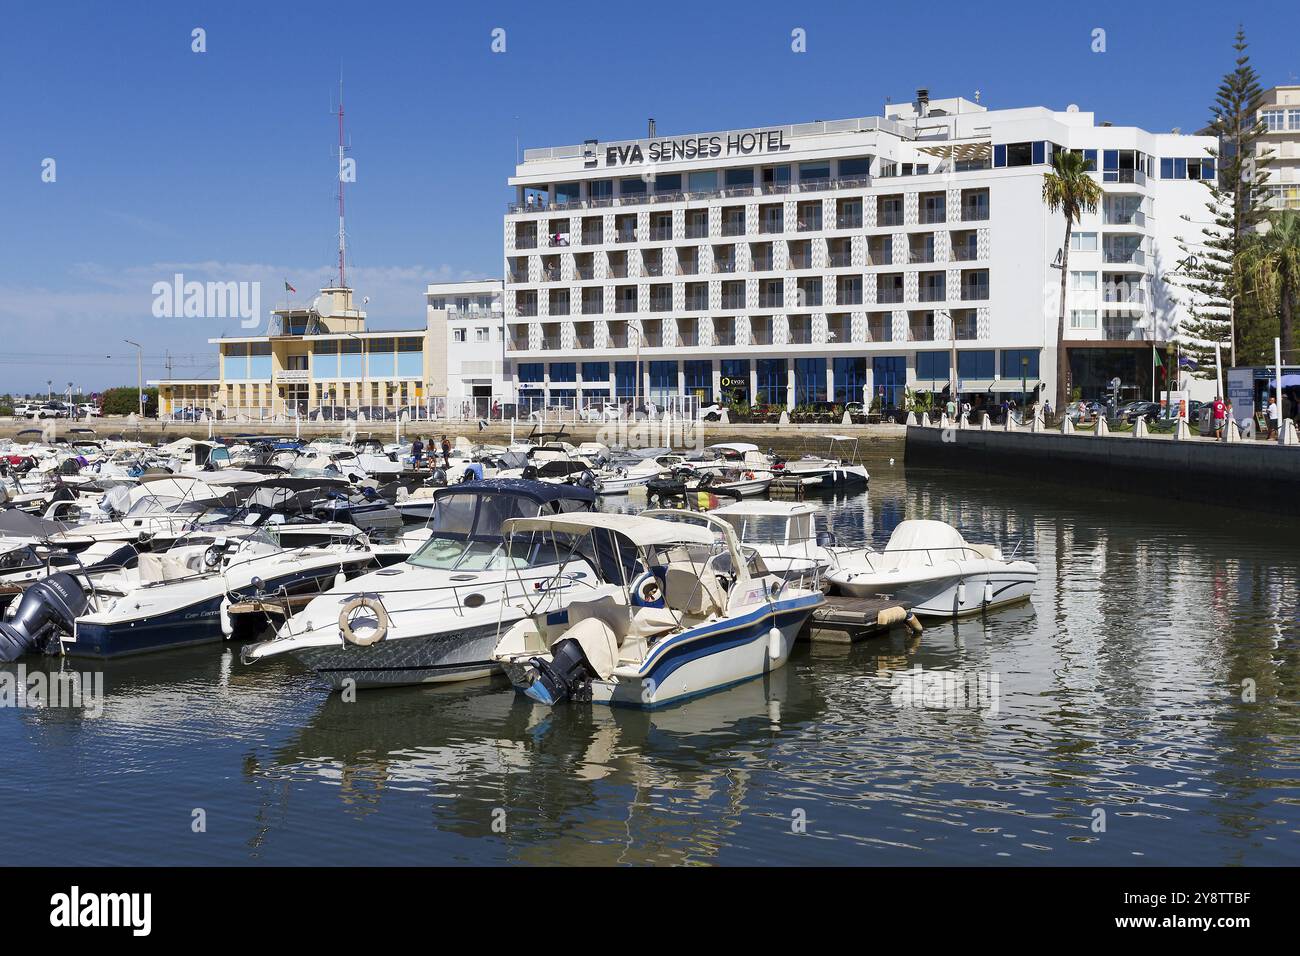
832 261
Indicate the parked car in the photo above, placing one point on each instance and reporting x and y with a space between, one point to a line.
602 412
88 410
711 413
49 410
1131 412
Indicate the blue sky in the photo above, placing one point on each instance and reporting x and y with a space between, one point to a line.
219 164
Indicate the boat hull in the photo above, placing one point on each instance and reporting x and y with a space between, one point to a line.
436 658
700 660
951 593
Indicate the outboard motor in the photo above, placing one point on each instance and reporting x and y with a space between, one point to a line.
587 479
530 473
47 607
826 539
567 676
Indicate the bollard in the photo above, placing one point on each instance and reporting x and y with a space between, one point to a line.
943 421
925 419
785 418
964 421
984 422
1008 424
1287 435
726 419
1181 431
912 419
1067 426
1231 432
846 420
1037 424
1102 428
1140 427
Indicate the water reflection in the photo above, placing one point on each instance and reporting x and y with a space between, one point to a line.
1152 679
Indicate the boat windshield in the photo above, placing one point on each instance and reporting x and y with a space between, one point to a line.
769 529
444 553
156 504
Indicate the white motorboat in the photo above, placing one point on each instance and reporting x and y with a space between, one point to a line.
830 472
172 598
792 536
435 616
928 567
699 618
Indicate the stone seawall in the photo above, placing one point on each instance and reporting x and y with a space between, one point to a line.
1251 474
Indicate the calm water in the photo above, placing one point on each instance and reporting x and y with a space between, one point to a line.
1118 690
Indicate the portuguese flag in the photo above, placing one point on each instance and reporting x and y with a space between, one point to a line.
287 287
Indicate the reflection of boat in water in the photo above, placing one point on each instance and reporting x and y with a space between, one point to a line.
478 747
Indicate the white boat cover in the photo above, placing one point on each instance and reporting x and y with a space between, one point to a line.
919 542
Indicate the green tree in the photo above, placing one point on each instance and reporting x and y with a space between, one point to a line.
126 401
1218 302
1070 190
1272 267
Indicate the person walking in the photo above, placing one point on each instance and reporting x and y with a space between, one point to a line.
446 452
1274 417
1219 415
417 450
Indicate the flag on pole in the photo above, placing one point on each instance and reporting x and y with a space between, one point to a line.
287 287
1159 364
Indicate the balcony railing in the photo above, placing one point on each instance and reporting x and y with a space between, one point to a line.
849 220
660 233
771 225
932 293
890 217
724 265
593 237
974 212
967 253
888 296
733 301
592 308
525 242
733 227
810 223
974 291
1124 331
880 331
1134 257
933 215
920 256
840 260
771 300
1124 217
696 303
849 296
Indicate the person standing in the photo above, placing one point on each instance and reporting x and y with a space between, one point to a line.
446 452
1274 420
1219 415
417 450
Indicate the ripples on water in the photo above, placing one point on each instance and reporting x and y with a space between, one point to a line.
1119 690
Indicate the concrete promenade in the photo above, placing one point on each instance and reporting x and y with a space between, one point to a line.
1253 474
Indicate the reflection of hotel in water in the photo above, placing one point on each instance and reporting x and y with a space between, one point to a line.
813 262
323 355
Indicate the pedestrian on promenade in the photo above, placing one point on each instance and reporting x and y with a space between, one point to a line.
1273 417
1219 415
446 452
417 450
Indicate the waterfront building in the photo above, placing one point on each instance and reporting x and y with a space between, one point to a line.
1280 116
321 360
844 260
475 350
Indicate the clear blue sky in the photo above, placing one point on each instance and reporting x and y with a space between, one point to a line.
219 164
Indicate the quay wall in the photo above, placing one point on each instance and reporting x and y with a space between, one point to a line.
1257 475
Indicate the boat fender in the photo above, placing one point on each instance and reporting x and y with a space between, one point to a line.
988 592
340 579
913 622
961 593
227 622
381 621
774 644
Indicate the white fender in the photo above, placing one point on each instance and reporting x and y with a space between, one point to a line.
988 592
774 644
227 623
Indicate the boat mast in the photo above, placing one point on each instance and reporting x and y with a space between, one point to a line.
342 233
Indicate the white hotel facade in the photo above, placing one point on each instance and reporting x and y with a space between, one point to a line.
828 261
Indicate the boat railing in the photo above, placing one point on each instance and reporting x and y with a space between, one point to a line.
966 551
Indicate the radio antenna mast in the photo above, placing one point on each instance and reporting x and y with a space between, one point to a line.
342 234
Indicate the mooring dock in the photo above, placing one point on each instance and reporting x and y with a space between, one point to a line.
843 619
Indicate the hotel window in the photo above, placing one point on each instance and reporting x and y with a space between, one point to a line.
663 381
410 357
809 381
698 377
259 360
600 189
481 335
976 364
668 183
1083 242
1083 281
1083 318
814 173
733 295
458 335
1200 168
858 167
564 372
932 366
703 181
771 375
531 373
325 360
850 377
635 186
776 176
739 177
1017 363
595 372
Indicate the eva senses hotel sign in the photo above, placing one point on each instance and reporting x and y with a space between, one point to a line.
690 147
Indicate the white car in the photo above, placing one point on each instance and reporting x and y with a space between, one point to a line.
602 412
711 413
88 410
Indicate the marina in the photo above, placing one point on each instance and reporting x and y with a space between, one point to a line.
845 724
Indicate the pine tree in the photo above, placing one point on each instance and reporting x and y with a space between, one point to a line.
1212 266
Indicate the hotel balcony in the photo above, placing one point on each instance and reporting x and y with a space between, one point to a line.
1130 331
724 331
800 330
880 328
974 291
760 330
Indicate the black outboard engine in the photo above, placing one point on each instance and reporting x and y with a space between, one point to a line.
826 539
530 472
567 676
587 479
47 607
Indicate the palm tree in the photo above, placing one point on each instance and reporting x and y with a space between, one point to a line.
1273 261
1072 191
